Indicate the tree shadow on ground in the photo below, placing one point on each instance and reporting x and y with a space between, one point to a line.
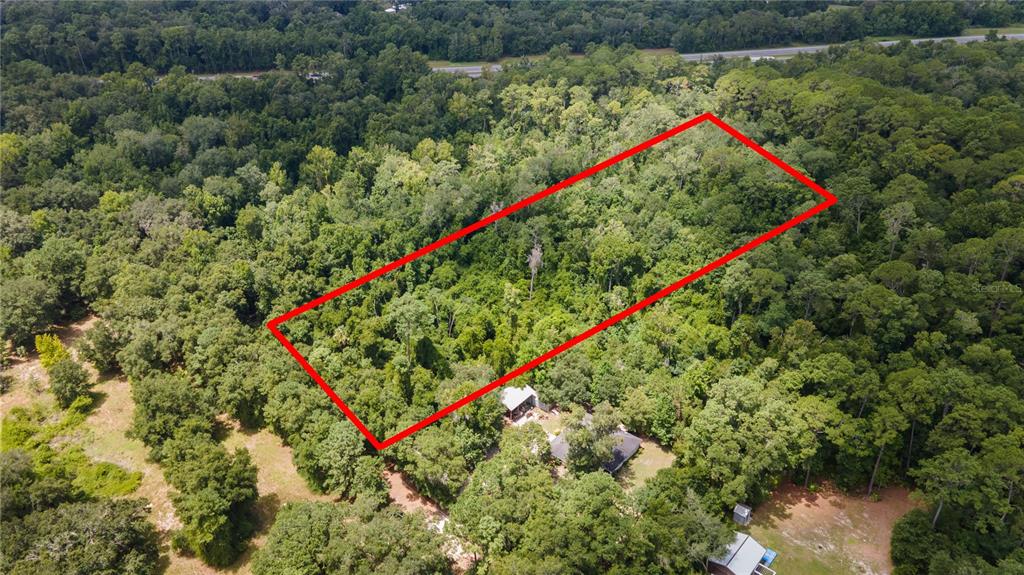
267 507
777 507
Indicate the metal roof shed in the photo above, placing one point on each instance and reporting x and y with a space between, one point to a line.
743 557
742 514
626 447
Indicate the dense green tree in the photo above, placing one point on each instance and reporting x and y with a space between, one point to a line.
17 479
27 306
100 347
216 493
682 531
591 438
746 431
321 538
68 381
98 537
505 491
208 38
335 460
165 404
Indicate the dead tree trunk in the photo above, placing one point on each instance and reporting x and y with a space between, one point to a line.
874 473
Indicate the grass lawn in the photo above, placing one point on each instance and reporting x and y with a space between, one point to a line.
550 422
276 474
829 532
645 464
1018 29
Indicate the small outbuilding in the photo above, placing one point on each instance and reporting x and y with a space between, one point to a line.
744 556
742 514
518 400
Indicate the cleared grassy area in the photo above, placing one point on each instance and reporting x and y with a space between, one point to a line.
1016 29
829 532
105 438
645 464
276 475
550 422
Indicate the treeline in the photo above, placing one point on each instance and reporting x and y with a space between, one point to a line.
97 37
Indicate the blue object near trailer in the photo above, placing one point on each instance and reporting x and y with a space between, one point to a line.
769 556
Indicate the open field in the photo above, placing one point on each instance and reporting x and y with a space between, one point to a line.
276 475
829 532
104 438
276 478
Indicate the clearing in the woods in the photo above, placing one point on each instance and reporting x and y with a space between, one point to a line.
103 436
645 464
829 532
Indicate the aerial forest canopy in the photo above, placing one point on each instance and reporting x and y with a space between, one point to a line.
879 343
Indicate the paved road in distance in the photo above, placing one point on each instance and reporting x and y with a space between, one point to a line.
477 70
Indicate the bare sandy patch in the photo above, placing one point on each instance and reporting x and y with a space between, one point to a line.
830 531
405 496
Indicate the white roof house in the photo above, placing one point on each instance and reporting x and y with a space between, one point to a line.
743 557
514 397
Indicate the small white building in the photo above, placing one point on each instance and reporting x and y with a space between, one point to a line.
518 400
742 514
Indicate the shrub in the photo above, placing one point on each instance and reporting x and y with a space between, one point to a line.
100 347
94 537
68 380
51 350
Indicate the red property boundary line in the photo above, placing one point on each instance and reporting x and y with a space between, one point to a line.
274 324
